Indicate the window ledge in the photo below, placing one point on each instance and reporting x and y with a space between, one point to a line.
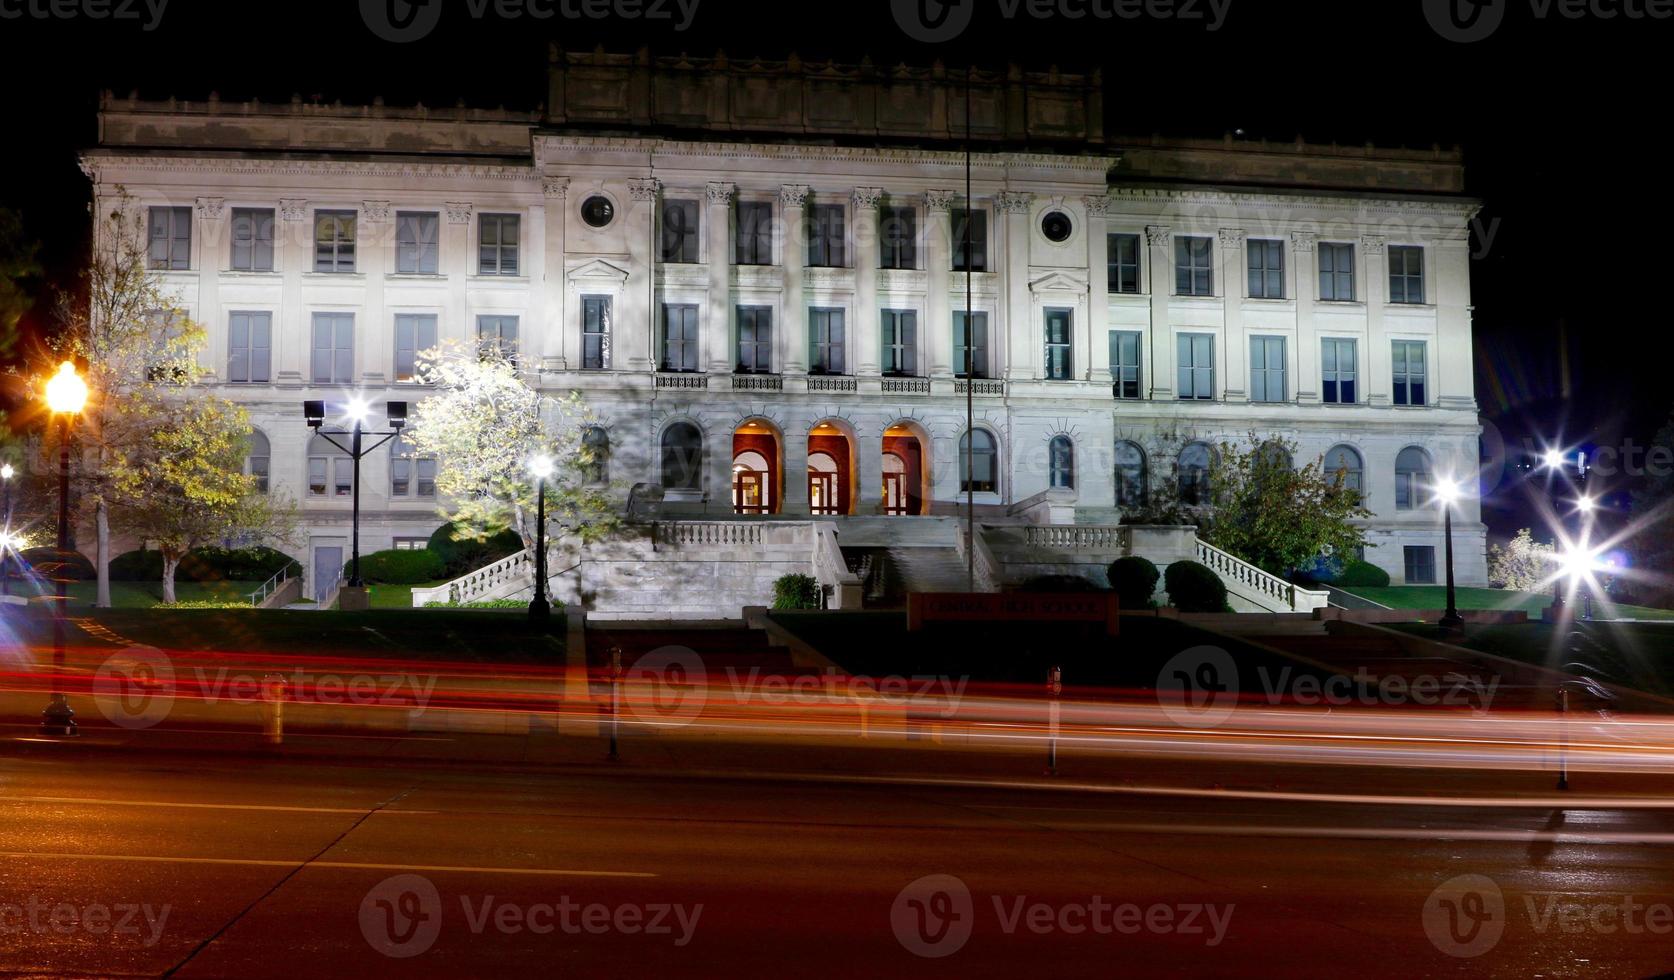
341 276
1353 304
420 276
252 273
484 279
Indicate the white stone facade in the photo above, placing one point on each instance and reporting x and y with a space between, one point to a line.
463 166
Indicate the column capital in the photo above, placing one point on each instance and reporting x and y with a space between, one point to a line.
1013 202
210 207
293 208
1231 237
1303 241
644 188
1156 236
793 195
1373 244
720 192
1097 205
558 187
376 212
866 198
459 212
940 200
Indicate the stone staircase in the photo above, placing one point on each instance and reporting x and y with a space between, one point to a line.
896 556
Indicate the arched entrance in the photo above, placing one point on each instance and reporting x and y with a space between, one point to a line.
830 469
906 489
756 482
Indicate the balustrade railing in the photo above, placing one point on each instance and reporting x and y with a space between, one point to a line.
1079 537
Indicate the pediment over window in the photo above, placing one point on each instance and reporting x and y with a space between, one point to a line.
1058 281
597 271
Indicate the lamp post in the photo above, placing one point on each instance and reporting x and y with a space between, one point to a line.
6 474
66 395
539 607
356 411
1447 492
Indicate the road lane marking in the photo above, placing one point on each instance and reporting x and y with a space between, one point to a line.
329 865
1398 833
80 801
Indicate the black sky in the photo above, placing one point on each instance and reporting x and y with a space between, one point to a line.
1561 120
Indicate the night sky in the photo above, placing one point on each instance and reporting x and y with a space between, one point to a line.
1560 119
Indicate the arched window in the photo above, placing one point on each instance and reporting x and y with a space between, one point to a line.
1131 479
1062 463
682 457
1412 477
330 470
1194 474
1277 456
1343 465
259 461
978 463
595 455
410 475
1273 462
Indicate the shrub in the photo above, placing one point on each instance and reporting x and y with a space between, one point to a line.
1362 573
1057 583
461 554
796 591
140 565
1523 564
52 564
1135 581
399 567
205 604
1193 587
557 606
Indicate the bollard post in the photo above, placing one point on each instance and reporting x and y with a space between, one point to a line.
615 697
1054 688
273 695
1563 737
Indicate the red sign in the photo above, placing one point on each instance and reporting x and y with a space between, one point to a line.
1013 607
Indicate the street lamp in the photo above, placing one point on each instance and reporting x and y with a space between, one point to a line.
357 411
1447 492
6 474
66 395
541 468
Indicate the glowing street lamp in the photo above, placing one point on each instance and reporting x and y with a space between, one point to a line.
356 412
1447 492
541 468
6 542
1552 459
66 395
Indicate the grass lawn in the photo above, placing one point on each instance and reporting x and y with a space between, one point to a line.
1435 597
1636 655
397 596
144 595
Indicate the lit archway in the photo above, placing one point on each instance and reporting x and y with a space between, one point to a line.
831 468
757 468
906 469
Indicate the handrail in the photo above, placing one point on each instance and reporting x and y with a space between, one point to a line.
472 585
989 576
273 583
1230 566
831 570
1091 537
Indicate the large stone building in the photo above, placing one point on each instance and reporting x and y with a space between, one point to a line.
758 276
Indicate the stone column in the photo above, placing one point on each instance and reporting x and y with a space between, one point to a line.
375 258
1159 245
1378 350
796 469
1304 265
717 458
863 329
717 330
1097 364
938 265
868 468
636 324
1230 274
295 247
1022 341
1447 286
793 328
211 233
560 346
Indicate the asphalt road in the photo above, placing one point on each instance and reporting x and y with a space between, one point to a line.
123 862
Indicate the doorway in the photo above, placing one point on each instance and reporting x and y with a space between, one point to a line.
328 570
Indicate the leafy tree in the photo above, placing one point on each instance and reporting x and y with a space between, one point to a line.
18 267
1523 564
484 425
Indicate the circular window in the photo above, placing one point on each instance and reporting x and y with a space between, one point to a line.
1055 225
597 211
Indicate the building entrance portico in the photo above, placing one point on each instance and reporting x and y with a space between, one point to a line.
906 489
756 466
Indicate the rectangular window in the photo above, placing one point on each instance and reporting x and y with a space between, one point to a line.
1339 370
1267 369
1420 564
1058 359
410 544
411 475
897 238
825 235
755 340
418 237
249 347
1197 365
1194 266
680 232
1408 369
317 475
1406 274
342 476
754 233
260 467
825 341
595 333
414 332
1124 362
334 241
680 337
497 241
498 334
975 221
1122 257
900 342
1267 268
976 346
333 348
252 239
170 238
1336 272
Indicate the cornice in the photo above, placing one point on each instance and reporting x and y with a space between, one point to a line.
269 167
1099 165
1392 205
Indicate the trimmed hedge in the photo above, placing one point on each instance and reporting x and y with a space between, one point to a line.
256 564
1194 587
399 567
1362 573
796 591
52 564
1135 581
462 555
